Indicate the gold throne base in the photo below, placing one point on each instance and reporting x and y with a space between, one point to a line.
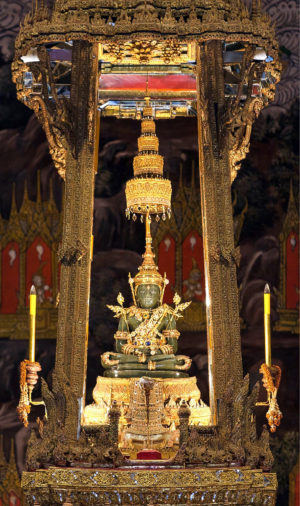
197 486
174 391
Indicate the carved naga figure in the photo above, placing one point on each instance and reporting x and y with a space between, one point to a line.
146 340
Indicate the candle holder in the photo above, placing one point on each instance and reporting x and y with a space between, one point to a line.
28 379
271 373
271 381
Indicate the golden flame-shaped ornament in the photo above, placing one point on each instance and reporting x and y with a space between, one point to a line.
148 272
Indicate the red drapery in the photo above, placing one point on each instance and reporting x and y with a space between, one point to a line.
292 270
10 276
167 264
39 269
193 287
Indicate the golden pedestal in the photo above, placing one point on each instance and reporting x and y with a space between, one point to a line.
122 390
174 392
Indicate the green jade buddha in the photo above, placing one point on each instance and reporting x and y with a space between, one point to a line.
146 340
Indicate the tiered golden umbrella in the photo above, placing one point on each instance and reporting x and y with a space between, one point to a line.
148 192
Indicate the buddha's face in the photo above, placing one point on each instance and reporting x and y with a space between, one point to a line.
148 296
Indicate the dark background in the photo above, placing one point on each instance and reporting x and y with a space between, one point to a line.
263 180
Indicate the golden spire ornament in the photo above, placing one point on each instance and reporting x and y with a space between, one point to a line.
148 272
148 192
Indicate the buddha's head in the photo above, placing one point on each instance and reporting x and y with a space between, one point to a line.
148 296
148 285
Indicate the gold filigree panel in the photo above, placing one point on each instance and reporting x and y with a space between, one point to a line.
239 486
151 52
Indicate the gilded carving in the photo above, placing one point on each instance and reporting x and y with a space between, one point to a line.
56 446
141 21
234 439
56 148
201 486
53 113
145 51
239 114
240 133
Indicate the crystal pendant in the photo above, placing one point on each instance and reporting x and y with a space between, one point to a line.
164 217
157 218
134 217
142 218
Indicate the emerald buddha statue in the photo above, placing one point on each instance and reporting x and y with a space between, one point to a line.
146 342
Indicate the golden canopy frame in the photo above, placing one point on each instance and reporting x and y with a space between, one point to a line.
232 56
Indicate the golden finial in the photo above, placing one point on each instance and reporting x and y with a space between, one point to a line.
35 6
12 457
120 299
166 282
131 282
291 197
26 209
256 8
25 196
148 273
292 214
176 299
13 209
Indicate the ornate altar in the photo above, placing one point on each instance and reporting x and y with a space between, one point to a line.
288 293
147 60
28 255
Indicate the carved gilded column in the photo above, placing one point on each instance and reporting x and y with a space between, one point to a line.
74 254
223 331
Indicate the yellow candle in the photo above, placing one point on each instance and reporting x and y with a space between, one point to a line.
32 315
267 324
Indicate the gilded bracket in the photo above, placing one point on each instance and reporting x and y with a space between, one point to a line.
53 112
238 115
